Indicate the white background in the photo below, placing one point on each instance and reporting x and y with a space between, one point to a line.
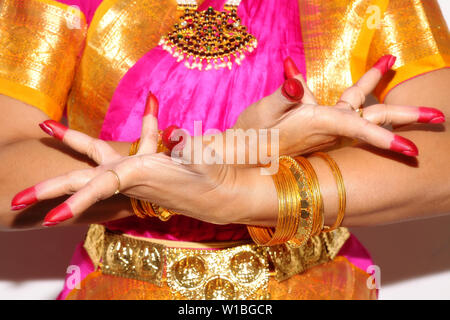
414 257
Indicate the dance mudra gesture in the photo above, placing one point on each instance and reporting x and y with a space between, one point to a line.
152 69
224 194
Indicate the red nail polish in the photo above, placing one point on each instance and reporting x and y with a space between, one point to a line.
292 89
54 129
405 146
167 137
290 68
385 63
151 106
430 115
58 214
49 224
46 129
24 199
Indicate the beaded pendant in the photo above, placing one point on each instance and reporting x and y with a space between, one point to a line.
209 39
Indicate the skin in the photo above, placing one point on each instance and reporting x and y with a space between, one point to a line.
25 138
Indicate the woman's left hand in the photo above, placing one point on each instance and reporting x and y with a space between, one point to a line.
206 192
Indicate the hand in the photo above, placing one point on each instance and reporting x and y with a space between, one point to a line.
305 126
209 193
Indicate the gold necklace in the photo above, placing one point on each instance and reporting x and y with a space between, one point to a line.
209 39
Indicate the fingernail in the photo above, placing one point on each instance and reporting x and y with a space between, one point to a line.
290 68
151 106
54 128
292 89
405 146
430 115
49 224
385 63
24 199
167 140
18 207
46 129
58 215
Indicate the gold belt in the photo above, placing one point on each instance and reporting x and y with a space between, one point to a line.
236 271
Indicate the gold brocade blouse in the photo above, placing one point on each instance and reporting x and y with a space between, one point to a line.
50 59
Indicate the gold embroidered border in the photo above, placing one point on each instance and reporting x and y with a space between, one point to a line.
417 34
121 32
330 31
39 45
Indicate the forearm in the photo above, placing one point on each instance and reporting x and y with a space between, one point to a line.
27 162
383 187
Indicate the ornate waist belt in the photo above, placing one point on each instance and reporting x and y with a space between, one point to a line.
238 272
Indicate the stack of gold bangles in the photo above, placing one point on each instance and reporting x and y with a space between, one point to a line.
144 209
300 204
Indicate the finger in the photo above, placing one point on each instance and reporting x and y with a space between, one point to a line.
291 71
96 149
149 133
289 95
52 188
349 124
383 114
356 94
99 188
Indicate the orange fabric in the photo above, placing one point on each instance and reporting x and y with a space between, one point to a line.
338 279
39 45
417 34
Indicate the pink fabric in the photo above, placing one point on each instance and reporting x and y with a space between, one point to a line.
88 7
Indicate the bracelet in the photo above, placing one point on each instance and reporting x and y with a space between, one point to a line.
340 187
160 146
144 209
306 213
316 196
289 207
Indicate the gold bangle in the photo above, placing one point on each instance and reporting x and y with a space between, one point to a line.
340 187
306 213
134 147
160 146
316 196
137 209
288 210
162 213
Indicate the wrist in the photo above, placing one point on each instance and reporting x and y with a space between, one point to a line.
257 202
